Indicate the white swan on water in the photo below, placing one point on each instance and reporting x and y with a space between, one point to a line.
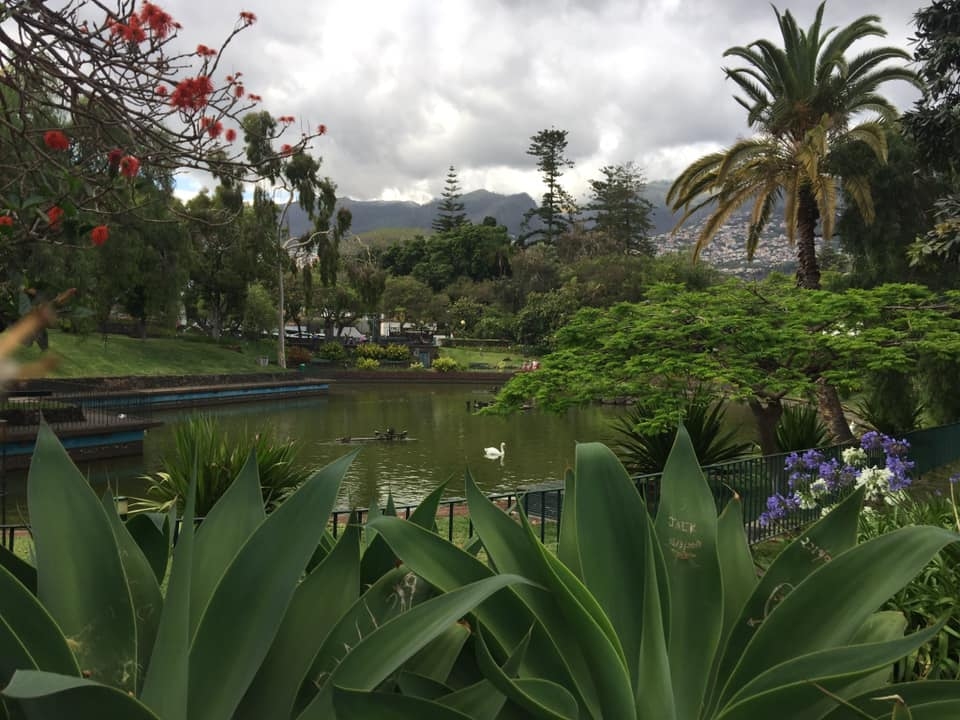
493 453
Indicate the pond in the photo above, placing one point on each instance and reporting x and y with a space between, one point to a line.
448 437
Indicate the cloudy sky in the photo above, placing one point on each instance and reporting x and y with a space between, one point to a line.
409 87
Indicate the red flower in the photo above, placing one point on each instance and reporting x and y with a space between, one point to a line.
133 31
99 235
254 98
159 20
205 122
113 157
322 129
56 140
215 129
54 216
192 93
205 51
230 135
248 17
129 166
238 91
6 221
286 149
161 90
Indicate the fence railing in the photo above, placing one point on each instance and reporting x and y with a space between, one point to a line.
753 479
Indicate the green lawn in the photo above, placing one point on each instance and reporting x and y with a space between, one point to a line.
93 356
496 358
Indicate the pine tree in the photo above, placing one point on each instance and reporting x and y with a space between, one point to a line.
557 207
450 214
621 212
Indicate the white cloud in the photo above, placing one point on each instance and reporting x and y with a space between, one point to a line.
409 88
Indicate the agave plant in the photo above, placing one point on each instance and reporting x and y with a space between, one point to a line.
665 618
256 606
800 428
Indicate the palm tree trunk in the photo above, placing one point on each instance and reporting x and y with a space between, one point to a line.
831 410
767 414
808 269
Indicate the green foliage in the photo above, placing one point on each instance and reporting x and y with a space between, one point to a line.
450 214
445 364
333 351
892 404
202 450
800 428
259 311
297 355
620 210
643 447
557 206
931 595
542 316
367 363
389 351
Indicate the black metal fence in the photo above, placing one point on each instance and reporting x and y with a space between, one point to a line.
753 479
68 405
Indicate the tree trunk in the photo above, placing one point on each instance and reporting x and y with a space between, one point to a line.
831 410
767 414
808 269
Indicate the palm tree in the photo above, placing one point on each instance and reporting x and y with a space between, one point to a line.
801 99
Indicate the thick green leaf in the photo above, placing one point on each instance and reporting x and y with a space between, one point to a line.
47 696
612 524
686 527
352 705
29 636
425 514
447 567
20 569
165 686
384 650
239 624
825 539
654 689
736 563
423 687
511 548
916 694
227 527
149 530
833 602
319 602
568 545
82 584
537 696
437 659
143 584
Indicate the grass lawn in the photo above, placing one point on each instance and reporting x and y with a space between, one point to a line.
496 358
92 356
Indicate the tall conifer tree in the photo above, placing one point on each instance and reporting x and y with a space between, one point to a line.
557 207
450 214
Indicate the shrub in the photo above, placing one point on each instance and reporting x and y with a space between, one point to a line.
201 444
333 351
646 451
395 351
367 363
800 428
369 350
445 364
297 355
416 365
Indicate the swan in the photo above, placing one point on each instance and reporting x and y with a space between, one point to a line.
493 453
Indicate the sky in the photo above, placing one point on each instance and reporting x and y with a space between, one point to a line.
409 87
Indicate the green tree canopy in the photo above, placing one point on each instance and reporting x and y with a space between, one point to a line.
450 214
620 211
557 206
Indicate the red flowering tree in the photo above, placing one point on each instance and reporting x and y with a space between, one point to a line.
98 99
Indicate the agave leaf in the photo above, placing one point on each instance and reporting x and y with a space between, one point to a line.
654 688
149 532
165 686
480 701
381 652
82 584
387 706
229 525
318 603
419 686
539 698
832 603
239 625
20 569
513 549
48 696
568 546
425 514
686 527
437 659
736 563
447 567
796 684
144 587
825 539
917 694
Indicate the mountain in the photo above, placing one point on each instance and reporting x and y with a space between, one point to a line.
370 215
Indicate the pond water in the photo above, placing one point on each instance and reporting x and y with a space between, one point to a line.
448 438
